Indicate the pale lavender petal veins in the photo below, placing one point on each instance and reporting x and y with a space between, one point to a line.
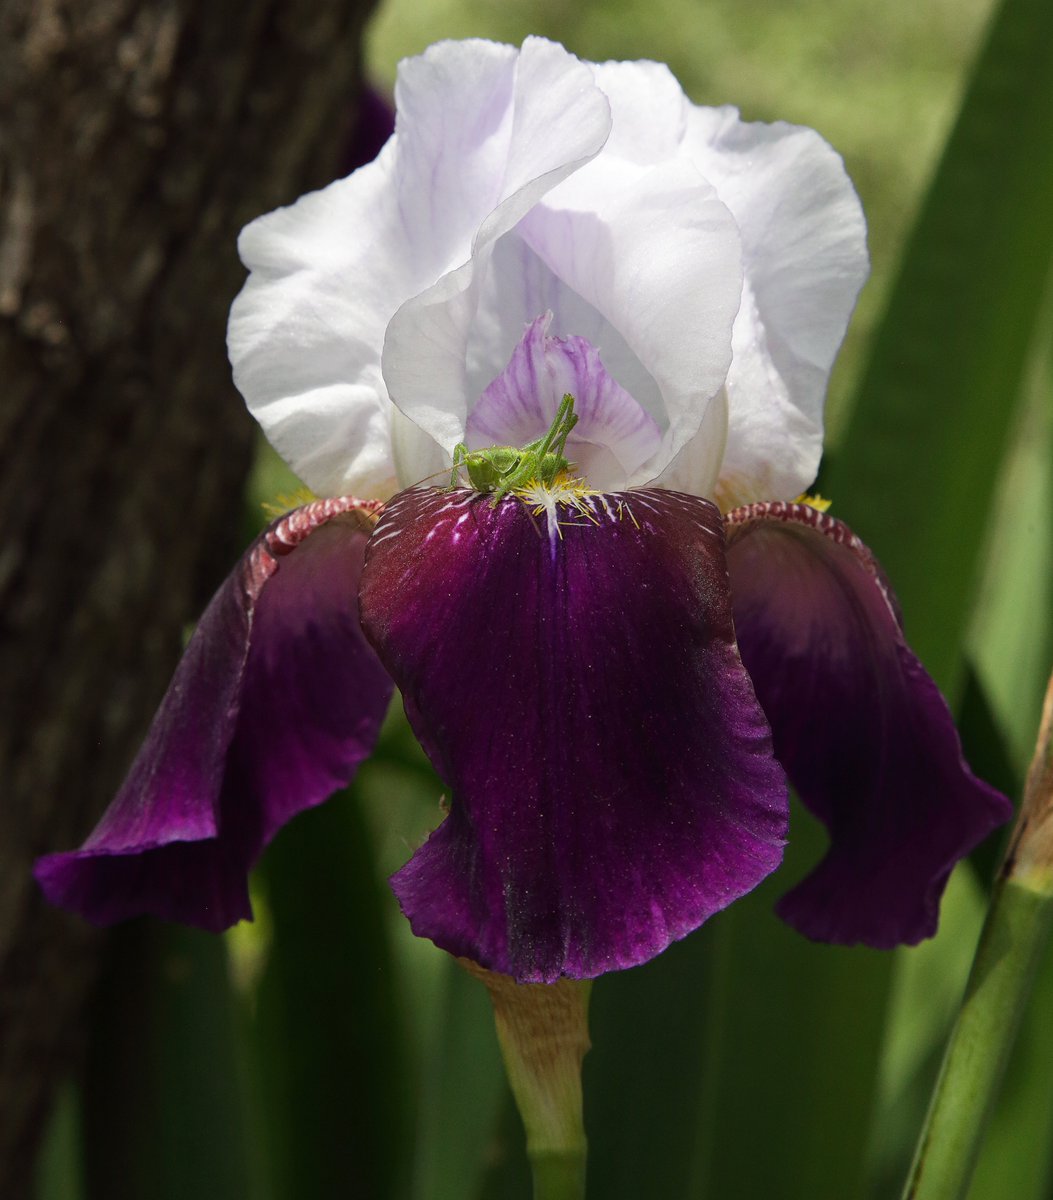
613 436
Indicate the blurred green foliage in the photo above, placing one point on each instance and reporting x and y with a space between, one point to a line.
325 1052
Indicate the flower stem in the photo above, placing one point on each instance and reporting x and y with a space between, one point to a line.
1013 940
543 1032
1011 946
559 1176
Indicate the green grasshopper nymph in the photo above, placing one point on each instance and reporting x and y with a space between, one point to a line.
502 469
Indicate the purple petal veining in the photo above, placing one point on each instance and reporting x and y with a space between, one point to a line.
862 730
614 434
611 771
276 701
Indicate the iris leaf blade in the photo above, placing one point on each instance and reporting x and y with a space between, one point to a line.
328 1029
464 1094
916 470
162 1106
721 1067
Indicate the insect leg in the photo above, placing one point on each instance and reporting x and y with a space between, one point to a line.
460 459
556 438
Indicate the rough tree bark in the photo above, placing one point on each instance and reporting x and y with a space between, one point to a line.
136 137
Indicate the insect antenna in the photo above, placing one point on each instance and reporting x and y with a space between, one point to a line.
441 473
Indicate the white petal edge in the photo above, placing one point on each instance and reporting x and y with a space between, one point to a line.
306 332
804 263
304 346
648 108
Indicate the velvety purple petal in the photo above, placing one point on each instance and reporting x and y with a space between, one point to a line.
611 771
613 435
276 701
862 730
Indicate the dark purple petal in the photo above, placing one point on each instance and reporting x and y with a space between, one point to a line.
862 730
613 436
612 778
276 701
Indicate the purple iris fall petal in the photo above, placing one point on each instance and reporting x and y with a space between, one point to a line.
863 732
581 693
276 701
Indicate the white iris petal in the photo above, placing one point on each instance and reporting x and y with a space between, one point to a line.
711 262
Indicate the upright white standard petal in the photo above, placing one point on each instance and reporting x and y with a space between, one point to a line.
636 253
648 108
483 130
655 252
804 262
560 120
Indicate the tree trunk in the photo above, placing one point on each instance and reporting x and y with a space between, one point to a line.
138 136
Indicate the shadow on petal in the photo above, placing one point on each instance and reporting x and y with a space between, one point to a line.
276 701
863 732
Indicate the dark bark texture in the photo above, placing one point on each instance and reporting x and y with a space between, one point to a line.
136 138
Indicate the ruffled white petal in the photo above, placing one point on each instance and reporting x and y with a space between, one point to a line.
305 332
560 121
455 107
483 131
656 253
695 467
804 261
648 108
711 264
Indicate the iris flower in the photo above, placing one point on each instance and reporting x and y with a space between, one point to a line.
614 670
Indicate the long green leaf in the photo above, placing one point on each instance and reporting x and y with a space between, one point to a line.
646 1073
1013 642
916 471
1011 639
464 1091
329 1027
59 1167
1017 1156
740 1062
928 981
163 1101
